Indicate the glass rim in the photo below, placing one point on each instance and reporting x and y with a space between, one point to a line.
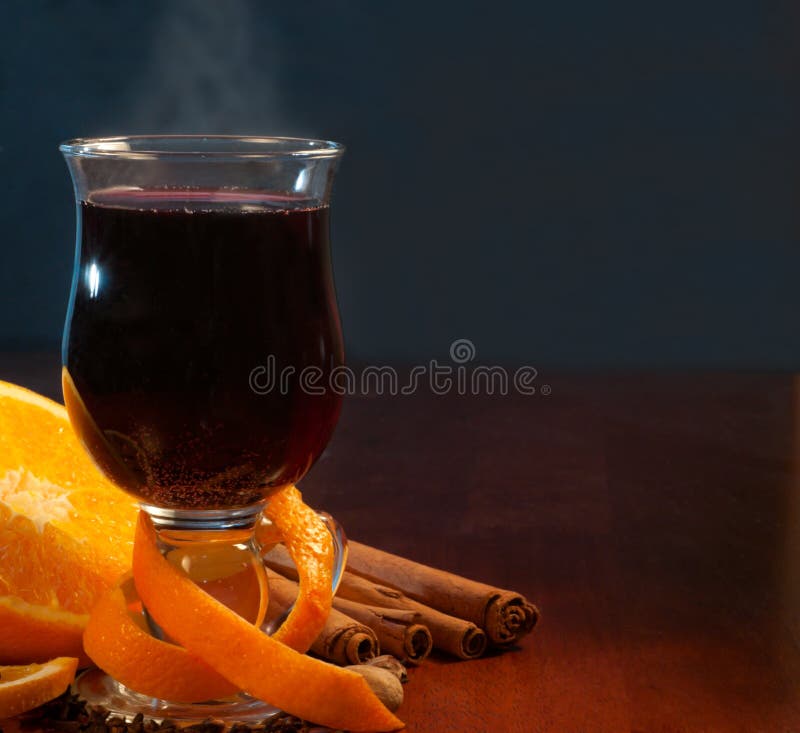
200 147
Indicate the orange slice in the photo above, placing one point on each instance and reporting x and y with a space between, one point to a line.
257 663
24 688
118 642
30 633
310 545
66 532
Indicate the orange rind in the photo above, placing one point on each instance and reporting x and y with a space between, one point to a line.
311 547
257 663
119 642
23 688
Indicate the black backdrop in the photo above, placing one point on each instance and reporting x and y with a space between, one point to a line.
576 184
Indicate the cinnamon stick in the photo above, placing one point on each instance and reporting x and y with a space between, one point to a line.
343 640
399 631
504 615
453 635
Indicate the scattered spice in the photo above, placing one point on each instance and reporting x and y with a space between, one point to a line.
383 682
70 714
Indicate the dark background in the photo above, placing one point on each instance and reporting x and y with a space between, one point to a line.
574 184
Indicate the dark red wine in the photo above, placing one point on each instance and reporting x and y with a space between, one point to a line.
178 296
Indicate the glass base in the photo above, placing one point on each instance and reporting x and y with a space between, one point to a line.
98 688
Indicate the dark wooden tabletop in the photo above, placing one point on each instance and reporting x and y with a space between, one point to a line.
655 520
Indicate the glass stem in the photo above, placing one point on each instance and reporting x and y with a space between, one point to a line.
219 552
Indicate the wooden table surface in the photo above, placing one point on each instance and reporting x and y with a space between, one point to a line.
655 520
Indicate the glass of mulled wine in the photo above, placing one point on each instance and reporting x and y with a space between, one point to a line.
199 259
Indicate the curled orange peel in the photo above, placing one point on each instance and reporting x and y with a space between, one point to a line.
118 642
254 662
310 545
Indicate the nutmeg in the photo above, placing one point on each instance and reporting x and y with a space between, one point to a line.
390 663
384 684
